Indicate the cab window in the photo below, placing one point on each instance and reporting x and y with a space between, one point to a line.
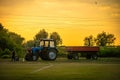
52 44
41 43
46 44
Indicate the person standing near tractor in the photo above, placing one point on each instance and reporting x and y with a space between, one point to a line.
13 55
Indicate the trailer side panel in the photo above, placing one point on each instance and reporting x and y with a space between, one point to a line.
82 49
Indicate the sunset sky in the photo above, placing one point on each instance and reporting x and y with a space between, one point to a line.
72 19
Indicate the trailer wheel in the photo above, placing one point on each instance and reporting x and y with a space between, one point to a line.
95 56
52 54
88 56
69 56
75 57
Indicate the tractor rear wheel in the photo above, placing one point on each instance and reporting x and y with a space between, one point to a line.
43 56
52 54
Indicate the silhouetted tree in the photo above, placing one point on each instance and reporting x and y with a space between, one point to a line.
104 39
1 27
56 37
41 34
89 41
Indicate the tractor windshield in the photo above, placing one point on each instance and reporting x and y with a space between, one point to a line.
47 43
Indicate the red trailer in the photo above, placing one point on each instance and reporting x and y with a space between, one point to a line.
88 51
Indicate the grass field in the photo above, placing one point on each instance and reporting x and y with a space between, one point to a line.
61 69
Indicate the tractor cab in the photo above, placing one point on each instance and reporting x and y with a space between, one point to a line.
47 43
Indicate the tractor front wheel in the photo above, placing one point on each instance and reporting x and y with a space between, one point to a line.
52 54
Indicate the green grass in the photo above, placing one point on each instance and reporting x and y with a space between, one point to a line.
61 69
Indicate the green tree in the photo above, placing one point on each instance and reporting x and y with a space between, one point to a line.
110 39
89 41
29 43
15 37
4 39
10 40
56 37
104 39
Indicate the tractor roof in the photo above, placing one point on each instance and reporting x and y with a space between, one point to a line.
44 39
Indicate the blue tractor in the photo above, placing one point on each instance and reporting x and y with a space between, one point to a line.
46 51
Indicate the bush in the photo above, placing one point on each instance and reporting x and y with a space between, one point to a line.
109 52
6 53
5 56
61 51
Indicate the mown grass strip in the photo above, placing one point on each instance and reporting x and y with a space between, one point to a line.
43 68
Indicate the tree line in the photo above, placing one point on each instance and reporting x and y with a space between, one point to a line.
10 41
102 39
106 43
